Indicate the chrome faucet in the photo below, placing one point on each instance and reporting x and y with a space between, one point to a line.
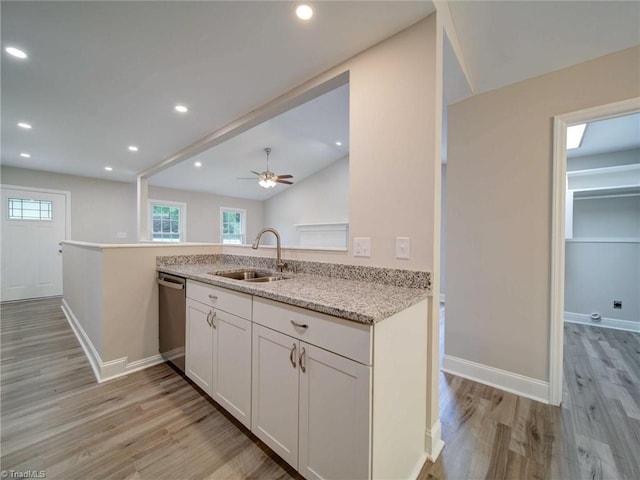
280 264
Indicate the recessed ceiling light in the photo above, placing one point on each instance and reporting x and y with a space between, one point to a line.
24 125
304 12
574 135
181 109
25 155
198 164
133 148
339 144
108 169
16 52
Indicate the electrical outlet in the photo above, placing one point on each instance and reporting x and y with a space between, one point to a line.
617 304
362 247
402 248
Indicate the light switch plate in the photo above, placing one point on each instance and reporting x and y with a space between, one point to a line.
402 248
362 247
121 235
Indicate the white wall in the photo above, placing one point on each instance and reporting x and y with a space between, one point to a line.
499 180
99 208
604 268
443 229
322 197
601 160
203 212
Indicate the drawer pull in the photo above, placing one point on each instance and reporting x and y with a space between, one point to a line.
212 317
209 321
292 356
302 367
299 325
213 297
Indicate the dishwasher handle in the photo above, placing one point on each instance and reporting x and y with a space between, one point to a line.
164 283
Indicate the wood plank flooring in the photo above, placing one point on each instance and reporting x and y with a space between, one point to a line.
595 434
152 424
155 424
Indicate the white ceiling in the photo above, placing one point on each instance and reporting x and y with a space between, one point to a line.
610 135
104 75
303 141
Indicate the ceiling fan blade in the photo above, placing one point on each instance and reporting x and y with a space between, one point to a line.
245 178
284 181
255 173
285 176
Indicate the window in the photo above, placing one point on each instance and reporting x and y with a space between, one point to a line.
167 221
232 225
24 209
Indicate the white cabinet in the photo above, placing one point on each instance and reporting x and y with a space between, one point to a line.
311 406
218 346
231 381
199 345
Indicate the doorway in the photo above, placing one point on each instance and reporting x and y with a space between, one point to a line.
560 206
34 222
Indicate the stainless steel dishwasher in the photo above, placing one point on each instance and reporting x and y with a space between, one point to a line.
172 306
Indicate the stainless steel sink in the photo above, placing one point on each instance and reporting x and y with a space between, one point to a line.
254 276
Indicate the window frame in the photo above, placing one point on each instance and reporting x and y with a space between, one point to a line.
182 221
243 213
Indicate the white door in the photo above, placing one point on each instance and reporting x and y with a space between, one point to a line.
199 344
231 384
335 410
33 225
274 395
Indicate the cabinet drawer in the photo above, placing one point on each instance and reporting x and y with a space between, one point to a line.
344 337
223 299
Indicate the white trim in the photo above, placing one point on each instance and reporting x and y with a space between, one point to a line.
560 123
590 172
605 322
104 371
508 381
183 219
613 195
418 467
603 240
243 212
433 441
442 298
89 350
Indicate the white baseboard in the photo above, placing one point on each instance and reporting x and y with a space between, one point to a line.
442 298
418 468
605 322
433 441
495 377
105 371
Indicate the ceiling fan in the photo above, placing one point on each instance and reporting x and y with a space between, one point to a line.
268 179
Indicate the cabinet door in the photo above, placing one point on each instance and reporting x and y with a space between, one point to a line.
274 394
199 344
232 365
335 412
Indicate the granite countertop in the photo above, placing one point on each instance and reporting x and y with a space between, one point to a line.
359 301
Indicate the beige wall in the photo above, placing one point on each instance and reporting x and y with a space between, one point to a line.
203 212
322 197
99 208
499 181
392 146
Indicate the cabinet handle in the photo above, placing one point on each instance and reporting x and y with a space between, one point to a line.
213 297
292 356
209 318
212 317
302 367
299 325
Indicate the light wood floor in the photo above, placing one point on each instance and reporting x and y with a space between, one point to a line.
155 424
